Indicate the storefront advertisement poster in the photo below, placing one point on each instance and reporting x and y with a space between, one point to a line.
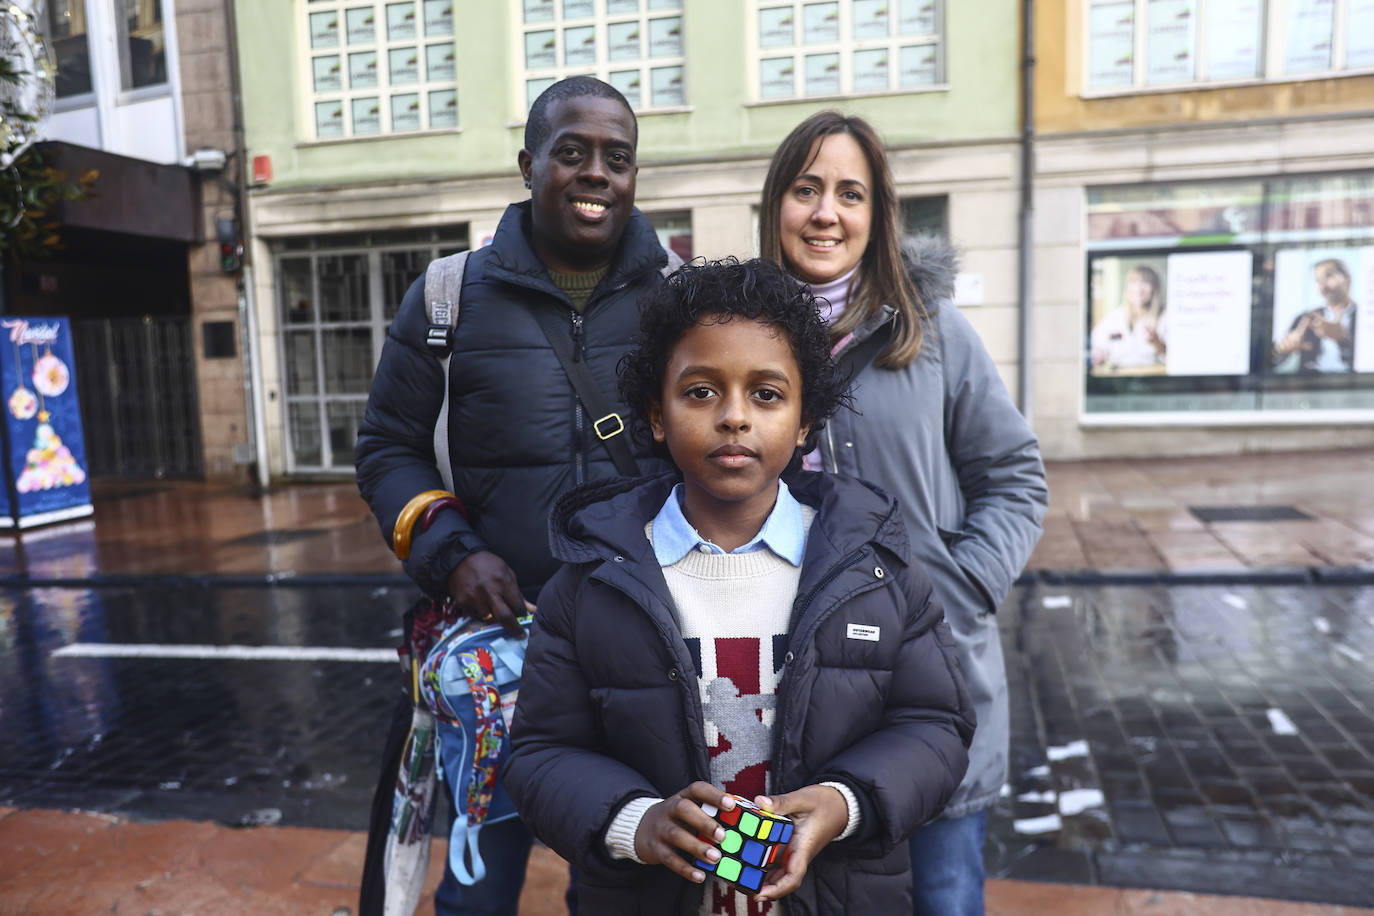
1233 38
400 21
1321 298
324 30
1364 312
1129 331
362 24
1209 295
821 23
1359 33
1170 314
1111 43
405 112
329 117
47 453
327 74
362 70
665 87
775 27
1307 41
1169 39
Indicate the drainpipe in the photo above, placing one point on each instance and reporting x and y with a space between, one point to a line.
248 314
1027 211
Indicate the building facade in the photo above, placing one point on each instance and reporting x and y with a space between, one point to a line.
1204 231
144 97
385 133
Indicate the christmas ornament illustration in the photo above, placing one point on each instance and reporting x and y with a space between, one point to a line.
23 404
49 463
50 375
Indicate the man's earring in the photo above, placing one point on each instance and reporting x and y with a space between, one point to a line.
527 182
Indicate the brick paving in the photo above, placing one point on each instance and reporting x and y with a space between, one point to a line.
1217 737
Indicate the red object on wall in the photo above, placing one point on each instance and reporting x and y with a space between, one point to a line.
262 169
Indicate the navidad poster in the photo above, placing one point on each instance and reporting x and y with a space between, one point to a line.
46 464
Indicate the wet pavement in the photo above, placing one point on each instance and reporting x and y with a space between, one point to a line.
1215 739
1190 664
1207 738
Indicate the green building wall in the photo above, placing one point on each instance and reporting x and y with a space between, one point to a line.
980 102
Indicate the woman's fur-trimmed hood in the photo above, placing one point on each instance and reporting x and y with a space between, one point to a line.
932 263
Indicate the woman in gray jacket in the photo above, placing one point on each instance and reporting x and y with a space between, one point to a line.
931 423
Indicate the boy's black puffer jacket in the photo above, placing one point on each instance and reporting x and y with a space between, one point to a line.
610 710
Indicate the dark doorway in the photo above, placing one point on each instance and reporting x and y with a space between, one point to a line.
129 302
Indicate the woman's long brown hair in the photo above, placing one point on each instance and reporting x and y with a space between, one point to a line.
882 277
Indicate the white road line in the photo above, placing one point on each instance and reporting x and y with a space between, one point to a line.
231 653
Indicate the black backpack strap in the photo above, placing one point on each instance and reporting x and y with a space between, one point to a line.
609 426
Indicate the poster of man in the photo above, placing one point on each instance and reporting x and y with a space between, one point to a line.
1129 328
1316 309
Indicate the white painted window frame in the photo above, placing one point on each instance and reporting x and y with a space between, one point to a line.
845 47
521 97
383 91
1271 56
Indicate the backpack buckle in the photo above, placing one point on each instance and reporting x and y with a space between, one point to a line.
439 339
619 427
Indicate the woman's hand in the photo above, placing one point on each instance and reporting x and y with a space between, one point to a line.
672 826
820 814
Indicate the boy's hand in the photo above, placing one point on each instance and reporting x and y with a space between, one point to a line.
672 826
820 814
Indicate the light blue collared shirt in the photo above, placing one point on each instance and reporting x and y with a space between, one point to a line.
783 532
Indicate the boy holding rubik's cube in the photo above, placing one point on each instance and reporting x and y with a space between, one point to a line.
753 840
736 681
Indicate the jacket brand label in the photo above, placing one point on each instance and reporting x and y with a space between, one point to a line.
863 631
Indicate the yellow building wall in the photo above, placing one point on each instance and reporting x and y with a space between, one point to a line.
1059 107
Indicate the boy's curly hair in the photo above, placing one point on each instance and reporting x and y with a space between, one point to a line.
716 292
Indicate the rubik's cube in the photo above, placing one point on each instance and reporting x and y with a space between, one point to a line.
754 839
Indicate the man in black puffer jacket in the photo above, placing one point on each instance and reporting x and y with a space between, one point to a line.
519 436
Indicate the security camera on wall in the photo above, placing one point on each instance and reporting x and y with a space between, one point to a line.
206 160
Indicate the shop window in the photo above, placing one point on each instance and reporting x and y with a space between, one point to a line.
1244 295
635 45
67 34
337 296
380 67
1143 44
847 47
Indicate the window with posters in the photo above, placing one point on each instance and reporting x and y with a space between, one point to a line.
1242 295
375 68
635 45
807 49
1144 44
